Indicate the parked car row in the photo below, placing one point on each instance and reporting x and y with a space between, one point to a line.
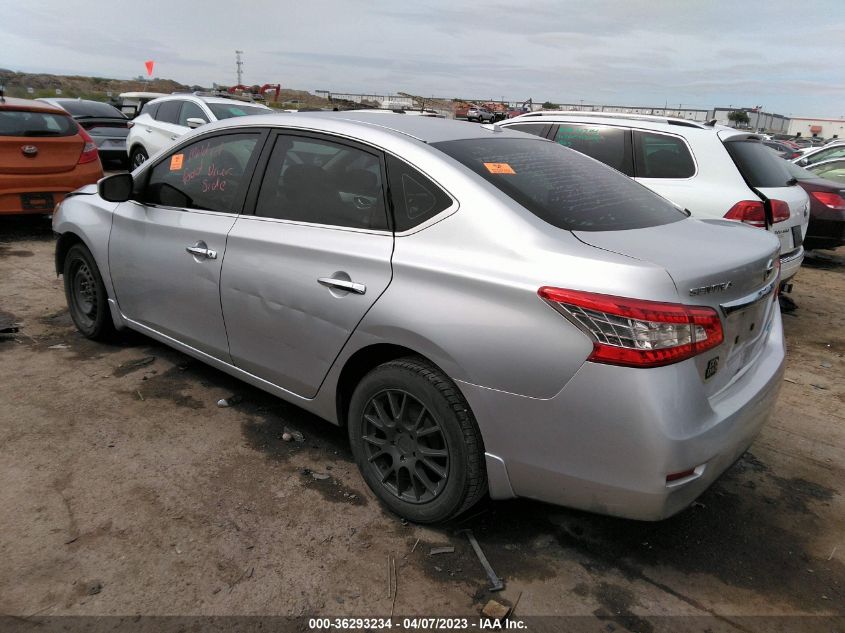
714 173
480 308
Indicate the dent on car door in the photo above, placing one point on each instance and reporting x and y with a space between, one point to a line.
302 272
167 245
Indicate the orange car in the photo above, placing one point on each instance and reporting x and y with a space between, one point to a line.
44 155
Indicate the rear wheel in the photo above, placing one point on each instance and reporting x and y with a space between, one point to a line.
86 295
416 441
139 157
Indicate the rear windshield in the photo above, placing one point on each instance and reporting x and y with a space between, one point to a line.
566 189
91 108
25 123
759 166
229 110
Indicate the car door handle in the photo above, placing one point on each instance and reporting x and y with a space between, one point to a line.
173 138
343 284
147 130
200 250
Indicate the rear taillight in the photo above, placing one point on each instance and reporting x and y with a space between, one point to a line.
780 211
748 212
829 199
89 151
637 333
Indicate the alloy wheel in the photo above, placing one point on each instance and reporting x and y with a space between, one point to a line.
405 445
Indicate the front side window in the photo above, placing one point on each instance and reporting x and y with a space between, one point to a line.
415 198
609 145
662 156
191 110
210 174
561 186
230 110
834 170
168 111
322 182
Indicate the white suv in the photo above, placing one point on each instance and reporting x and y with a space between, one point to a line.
163 120
712 171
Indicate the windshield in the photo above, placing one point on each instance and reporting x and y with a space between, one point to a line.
757 164
26 123
566 189
229 110
91 108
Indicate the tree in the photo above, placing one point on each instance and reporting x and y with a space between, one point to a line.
548 105
739 117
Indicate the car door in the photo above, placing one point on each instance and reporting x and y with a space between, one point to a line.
164 129
302 271
167 244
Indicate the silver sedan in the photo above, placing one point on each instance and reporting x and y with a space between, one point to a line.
485 311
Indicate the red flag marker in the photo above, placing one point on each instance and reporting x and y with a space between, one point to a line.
149 64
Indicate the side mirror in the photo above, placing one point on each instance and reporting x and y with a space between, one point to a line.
116 188
802 162
195 122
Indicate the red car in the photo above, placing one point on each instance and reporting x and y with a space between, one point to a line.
827 208
44 155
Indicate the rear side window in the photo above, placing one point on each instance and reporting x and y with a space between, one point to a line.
561 186
826 154
610 145
322 182
210 174
25 123
150 108
415 198
168 111
537 129
759 166
661 156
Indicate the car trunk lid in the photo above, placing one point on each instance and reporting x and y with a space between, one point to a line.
719 264
33 142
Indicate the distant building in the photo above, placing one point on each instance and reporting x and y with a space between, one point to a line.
757 120
823 128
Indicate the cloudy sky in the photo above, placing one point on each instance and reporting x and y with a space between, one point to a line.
785 55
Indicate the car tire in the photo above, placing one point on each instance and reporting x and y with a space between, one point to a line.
416 441
86 295
138 157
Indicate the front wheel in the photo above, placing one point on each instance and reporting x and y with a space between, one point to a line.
86 295
416 442
138 157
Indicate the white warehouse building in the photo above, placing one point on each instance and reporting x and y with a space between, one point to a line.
823 128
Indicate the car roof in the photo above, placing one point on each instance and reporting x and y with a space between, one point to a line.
206 99
12 103
425 129
647 121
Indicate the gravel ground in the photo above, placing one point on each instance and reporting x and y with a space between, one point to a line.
125 490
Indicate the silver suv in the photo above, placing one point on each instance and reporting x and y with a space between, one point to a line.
481 115
164 120
483 310
714 172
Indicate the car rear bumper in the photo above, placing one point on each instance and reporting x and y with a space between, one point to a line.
607 441
790 263
13 186
825 234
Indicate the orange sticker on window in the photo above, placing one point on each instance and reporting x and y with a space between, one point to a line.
499 168
176 162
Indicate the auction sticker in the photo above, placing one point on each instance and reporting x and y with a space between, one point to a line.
499 168
176 162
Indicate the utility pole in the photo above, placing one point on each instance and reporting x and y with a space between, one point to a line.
240 66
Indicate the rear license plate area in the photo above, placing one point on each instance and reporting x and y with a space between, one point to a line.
797 239
37 201
747 330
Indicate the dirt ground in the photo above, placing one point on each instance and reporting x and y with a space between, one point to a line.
125 489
